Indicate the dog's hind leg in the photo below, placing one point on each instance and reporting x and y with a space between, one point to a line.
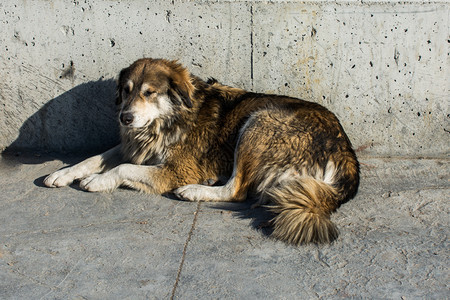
235 190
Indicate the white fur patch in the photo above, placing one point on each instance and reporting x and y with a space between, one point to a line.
330 173
144 115
275 176
146 112
144 87
130 85
165 106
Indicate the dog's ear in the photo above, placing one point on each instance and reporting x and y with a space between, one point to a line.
180 93
180 85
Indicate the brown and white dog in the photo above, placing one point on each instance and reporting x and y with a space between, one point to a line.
178 131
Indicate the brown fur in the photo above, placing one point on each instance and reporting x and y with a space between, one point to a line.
293 152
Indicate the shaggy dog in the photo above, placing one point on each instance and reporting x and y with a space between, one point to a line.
178 131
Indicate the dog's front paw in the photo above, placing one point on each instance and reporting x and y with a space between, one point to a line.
99 183
60 178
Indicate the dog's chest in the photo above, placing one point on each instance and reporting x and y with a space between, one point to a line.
148 147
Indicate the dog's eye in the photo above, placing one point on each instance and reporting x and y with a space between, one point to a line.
147 93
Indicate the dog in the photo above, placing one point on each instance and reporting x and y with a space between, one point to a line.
179 132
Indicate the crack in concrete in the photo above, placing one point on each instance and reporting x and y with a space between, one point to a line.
183 256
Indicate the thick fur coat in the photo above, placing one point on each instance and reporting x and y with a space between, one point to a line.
179 132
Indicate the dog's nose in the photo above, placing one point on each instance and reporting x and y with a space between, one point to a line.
126 118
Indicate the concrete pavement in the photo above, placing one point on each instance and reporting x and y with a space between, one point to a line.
69 244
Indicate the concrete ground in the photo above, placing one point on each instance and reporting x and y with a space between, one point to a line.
69 244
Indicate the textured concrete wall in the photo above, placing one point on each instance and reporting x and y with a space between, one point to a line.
381 67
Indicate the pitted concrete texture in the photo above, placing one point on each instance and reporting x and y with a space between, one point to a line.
69 244
381 66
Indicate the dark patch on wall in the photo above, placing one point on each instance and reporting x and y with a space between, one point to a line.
396 56
68 72
168 15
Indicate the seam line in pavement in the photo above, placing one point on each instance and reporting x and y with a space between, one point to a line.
180 268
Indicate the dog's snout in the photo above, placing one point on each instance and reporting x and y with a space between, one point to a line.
126 118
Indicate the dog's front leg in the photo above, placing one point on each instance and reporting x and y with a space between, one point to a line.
149 179
95 164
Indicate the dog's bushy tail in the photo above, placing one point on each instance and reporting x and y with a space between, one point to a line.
303 206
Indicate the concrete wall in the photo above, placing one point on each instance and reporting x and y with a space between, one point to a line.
381 67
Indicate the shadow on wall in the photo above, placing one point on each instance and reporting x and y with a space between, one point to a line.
81 121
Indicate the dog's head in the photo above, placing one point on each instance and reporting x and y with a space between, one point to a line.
152 89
